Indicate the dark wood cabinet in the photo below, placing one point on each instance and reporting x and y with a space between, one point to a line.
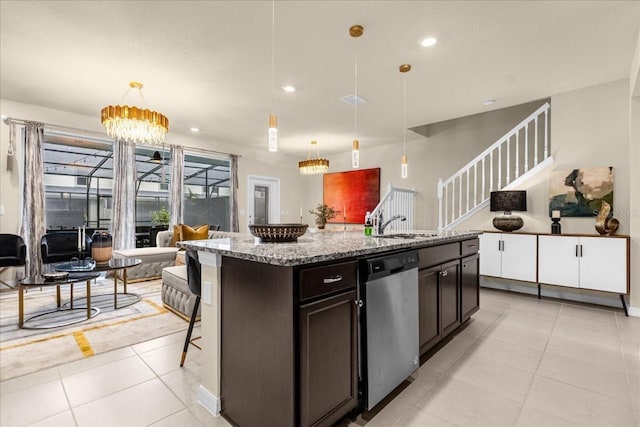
448 289
469 286
450 296
328 359
429 307
438 298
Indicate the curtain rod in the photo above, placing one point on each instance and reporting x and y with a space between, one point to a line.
9 120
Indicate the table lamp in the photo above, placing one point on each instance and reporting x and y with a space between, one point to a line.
555 222
507 201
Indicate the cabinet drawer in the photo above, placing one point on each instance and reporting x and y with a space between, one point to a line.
438 254
327 279
470 247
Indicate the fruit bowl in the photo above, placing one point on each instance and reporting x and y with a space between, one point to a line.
278 232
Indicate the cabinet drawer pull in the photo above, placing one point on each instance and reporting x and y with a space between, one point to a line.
332 279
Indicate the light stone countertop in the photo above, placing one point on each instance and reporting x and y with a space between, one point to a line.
314 246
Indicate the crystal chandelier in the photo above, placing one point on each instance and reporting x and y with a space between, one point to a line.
313 166
133 123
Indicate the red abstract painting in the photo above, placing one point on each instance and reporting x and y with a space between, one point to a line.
351 194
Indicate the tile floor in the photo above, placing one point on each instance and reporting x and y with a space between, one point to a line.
519 362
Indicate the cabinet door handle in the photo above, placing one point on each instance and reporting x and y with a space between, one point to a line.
332 279
444 273
580 251
464 265
358 303
577 251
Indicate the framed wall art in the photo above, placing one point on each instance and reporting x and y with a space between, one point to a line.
351 194
580 192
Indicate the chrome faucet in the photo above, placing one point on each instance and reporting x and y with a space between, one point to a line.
386 223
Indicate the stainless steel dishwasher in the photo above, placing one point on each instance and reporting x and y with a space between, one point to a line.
389 350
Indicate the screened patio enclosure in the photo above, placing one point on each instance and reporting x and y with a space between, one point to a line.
78 183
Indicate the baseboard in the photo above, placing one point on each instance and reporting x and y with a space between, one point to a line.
634 311
209 401
559 292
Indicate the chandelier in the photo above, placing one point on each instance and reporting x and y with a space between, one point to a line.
133 123
313 166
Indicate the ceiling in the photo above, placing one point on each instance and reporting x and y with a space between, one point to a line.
207 64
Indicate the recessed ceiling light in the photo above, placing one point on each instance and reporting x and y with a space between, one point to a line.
289 88
489 102
195 130
429 41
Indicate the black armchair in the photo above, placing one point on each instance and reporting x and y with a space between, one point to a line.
13 253
61 246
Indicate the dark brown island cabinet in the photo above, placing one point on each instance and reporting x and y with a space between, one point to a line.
289 335
448 289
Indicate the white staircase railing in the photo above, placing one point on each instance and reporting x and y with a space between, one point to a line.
512 159
397 201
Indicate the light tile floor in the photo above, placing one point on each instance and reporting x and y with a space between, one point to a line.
519 362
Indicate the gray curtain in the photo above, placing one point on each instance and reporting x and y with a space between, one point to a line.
176 185
123 212
32 225
234 193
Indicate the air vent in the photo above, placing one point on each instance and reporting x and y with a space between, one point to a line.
353 99
164 187
81 181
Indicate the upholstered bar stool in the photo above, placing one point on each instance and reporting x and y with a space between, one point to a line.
194 281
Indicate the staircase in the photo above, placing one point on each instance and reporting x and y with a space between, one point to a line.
397 201
515 157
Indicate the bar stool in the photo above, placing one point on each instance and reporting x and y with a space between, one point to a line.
194 282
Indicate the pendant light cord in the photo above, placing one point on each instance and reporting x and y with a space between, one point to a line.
404 116
355 94
273 56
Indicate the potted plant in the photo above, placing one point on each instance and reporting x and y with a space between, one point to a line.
160 217
160 220
323 214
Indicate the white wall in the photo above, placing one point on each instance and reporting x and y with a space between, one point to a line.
589 128
634 176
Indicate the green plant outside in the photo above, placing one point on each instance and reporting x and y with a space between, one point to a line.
161 217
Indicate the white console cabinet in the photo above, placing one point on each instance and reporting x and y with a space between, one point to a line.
509 255
598 263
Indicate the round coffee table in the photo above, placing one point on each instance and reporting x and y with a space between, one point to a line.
115 263
40 282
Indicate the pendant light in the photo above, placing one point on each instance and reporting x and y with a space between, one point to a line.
273 118
355 31
404 167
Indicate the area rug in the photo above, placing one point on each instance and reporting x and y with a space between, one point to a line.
23 351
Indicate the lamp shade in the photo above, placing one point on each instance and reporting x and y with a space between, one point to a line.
508 201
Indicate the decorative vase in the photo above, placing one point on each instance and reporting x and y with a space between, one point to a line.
320 225
101 246
605 224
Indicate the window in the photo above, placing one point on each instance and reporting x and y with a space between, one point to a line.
78 184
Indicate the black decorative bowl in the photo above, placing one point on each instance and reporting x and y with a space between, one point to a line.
278 232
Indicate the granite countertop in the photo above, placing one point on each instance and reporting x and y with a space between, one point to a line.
317 246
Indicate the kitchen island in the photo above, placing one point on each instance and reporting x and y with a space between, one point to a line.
280 320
